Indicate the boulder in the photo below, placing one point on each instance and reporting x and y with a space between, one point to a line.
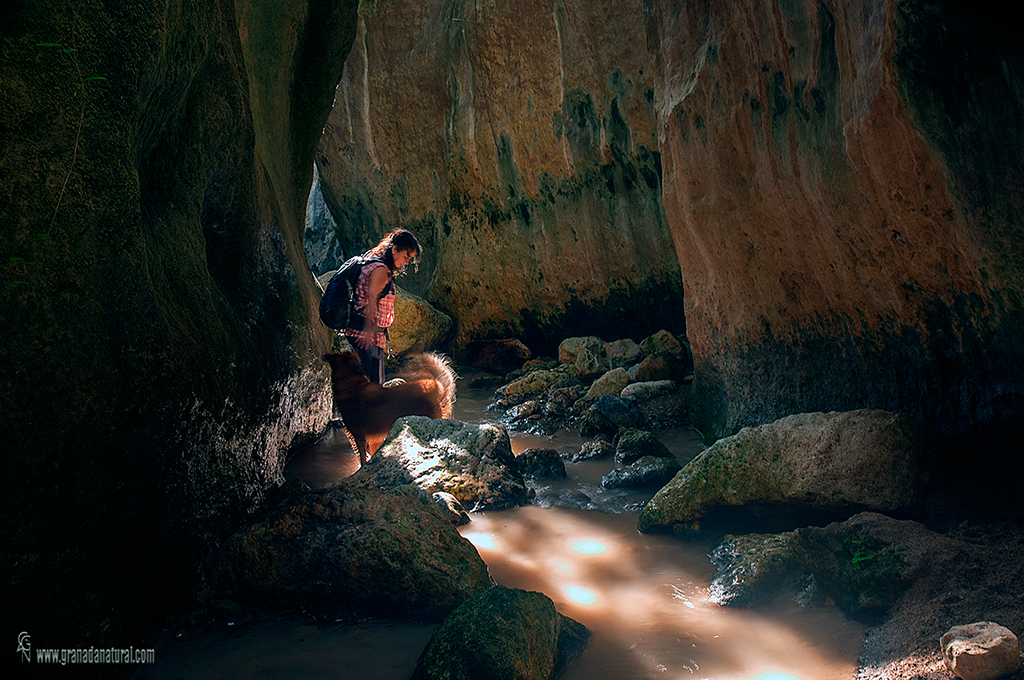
418 325
623 353
649 471
817 464
750 568
541 464
474 463
540 381
569 349
661 366
352 551
521 411
451 509
647 390
498 356
608 414
663 341
632 444
868 561
980 651
609 385
502 634
592 360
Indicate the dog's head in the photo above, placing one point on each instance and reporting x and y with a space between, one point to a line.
345 366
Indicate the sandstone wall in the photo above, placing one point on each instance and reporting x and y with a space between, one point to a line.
519 141
843 181
159 348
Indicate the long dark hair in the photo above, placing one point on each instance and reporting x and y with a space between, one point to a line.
399 239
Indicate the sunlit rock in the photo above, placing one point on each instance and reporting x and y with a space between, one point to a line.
820 463
503 634
632 444
352 551
608 385
541 381
980 651
751 568
541 464
474 463
648 471
418 325
450 507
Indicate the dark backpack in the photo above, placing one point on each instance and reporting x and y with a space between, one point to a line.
336 304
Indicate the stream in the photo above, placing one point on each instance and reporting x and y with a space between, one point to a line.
644 597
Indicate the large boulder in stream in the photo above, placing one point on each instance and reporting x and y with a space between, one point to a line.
823 465
502 634
473 463
352 551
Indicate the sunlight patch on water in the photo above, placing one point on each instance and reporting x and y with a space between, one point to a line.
589 547
481 541
581 595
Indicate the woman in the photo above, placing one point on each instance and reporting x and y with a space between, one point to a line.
374 299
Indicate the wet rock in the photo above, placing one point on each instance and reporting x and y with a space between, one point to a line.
867 562
502 634
474 463
352 551
560 400
609 385
632 444
821 464
750 569
521 411
499 356
593 450
980 651
569 349
649 471
541 464
609 414
623 353
450 507
418 325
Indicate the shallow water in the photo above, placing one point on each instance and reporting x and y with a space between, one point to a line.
643 597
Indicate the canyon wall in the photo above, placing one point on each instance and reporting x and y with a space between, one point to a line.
843 181
519 142
160 348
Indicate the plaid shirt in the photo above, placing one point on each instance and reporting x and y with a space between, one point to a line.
385 309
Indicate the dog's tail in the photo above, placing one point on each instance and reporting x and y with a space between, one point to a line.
439 368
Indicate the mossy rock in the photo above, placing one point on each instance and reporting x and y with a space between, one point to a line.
502 634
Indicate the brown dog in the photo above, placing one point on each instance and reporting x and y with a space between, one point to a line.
369 410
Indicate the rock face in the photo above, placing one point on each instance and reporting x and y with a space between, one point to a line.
160 342
841 183
822 463
352 551
980 651
520 143
503 634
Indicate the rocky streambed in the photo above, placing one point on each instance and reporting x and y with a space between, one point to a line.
818 510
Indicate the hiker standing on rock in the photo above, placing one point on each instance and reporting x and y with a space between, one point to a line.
373 302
